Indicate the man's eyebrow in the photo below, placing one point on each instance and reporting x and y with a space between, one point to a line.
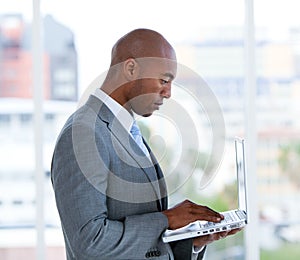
169 75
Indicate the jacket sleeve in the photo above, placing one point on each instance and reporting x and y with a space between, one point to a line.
89 231
182 249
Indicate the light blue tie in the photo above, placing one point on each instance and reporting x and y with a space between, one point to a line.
137 136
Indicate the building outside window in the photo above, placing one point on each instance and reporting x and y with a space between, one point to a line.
209 40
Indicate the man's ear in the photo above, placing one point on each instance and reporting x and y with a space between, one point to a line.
130 69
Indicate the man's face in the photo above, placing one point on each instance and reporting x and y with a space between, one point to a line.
152 86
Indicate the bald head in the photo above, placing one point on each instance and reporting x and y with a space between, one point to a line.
141 43
142 69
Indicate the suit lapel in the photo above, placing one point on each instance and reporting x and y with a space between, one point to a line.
161 182
124 138
137 154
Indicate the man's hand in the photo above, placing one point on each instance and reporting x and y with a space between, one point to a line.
187 212
205 240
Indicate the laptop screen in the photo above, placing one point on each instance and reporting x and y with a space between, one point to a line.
241 173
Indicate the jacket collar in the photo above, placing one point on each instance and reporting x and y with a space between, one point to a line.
128 143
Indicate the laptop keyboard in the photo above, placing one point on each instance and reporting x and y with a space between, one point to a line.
240 214
228 218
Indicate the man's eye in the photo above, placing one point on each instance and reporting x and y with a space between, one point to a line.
164 82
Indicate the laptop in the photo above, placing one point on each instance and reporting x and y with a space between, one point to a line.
233 219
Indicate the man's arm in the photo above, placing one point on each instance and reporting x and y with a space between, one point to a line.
85 217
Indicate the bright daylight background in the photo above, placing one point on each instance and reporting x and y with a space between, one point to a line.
209 39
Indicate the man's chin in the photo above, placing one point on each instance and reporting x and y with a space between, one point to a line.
144 113
147 114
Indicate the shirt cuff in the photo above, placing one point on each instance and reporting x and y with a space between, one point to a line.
195 251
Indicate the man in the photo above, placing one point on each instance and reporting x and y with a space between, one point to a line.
109 189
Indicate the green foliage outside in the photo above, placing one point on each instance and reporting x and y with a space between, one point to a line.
285 252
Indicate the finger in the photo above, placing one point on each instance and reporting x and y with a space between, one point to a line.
223 235
206 213
234 231
204 240
229 233
187 211
220 235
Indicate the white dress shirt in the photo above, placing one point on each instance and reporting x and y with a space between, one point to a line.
125 118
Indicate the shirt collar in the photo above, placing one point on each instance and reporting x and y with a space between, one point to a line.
119 111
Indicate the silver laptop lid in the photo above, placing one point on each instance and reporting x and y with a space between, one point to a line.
241 173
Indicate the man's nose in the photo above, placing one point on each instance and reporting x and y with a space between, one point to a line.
166 92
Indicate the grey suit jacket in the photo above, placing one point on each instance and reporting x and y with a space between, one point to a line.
109 196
